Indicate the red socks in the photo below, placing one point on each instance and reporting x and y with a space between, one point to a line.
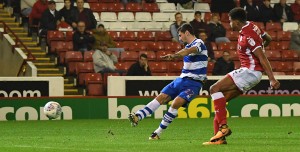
220 109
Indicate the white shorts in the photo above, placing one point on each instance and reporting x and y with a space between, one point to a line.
245 79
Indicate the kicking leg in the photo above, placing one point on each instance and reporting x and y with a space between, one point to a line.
148 109
168 117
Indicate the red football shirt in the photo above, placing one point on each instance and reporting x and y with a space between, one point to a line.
250 39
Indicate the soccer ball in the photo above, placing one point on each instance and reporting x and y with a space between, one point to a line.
52 110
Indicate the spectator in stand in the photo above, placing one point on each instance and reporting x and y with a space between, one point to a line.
82 40
50 18
140 68
26 7
131 1
199 25
37 10
296 10
104 61
223 65
266 12
173 28
210 52
252 11
101 35
283 12
85 15
218 32
67 11
295 40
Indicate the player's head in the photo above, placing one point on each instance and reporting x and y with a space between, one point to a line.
185 31
237 18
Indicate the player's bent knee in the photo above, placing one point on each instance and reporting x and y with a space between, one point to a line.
213 89
163 98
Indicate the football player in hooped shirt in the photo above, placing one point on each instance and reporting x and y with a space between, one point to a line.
251 42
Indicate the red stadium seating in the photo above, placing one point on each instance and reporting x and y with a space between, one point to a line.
127 36
296 68
129 56
82 68
227 46
162 53
114 35
274 26
273 35
145 36
98 7
88 56
61 47
94 84
72 58
115 7
133 7
55 36
283 36
109 1
163 36
218 54
156 46
290 55
150 7
172 46
175 67
210 67
69 35
92 1
261 25
232 35
282 66
273 55
124 65
214 46
158 67
234 55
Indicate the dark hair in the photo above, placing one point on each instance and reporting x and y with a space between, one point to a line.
186 27
100 25
197 12
177 14
238 14
51 2
144 56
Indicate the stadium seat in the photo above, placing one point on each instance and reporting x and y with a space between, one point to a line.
150 7
88 56
163 36
273 55
284 36
290 55
114 35
214 46
274 26
117 26
223 46
82 68
91 1
202 7
167 7
218 54
136 26
210 67
127 36
133 7
115 7
154 26
172 46
71 59
97 17
85 5
284 67
184 10
145 36
150 54
109 1
55 36
186 17
290 26
94 84
126 17
69 35
158 67
124 65
160 74
234 55
279 73
98 7
175 67
127 45
143 17
273 35
166 26
296 67
232 35
108 16
138 46
161 17
61 47
156 46
129 56
59 6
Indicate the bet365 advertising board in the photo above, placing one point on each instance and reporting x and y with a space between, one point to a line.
119 108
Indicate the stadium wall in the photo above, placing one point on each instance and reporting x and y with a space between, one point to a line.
120 107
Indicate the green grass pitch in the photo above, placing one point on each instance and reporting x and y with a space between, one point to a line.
183 135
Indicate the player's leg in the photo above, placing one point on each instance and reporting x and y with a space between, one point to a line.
168 118
152 106
167 93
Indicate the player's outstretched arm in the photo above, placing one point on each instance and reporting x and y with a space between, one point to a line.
181 53
267 39
267 67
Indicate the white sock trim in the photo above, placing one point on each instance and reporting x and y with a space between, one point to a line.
217 95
